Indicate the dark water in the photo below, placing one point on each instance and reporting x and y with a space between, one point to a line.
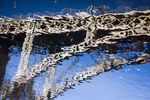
24 7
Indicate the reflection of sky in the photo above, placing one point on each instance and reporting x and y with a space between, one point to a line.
129 83
70 67
66 70
13 63
34 6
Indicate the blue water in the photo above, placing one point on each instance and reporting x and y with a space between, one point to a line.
132 82
129 83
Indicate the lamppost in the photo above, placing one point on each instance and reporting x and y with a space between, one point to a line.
137 4
14 5
53 9
91 8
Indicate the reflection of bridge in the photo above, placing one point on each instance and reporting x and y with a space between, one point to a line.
105 29
68 24
108 62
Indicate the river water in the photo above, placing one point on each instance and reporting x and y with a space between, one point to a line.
89 64
130 83
127 81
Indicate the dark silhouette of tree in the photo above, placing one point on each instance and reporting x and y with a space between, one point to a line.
3 62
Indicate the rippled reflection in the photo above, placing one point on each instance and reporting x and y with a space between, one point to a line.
67 51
